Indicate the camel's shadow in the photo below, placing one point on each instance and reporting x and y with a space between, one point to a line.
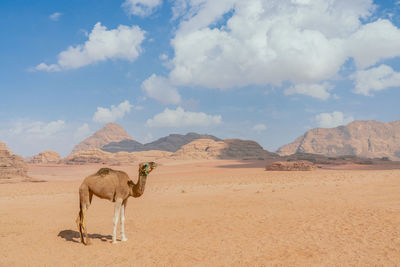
73 236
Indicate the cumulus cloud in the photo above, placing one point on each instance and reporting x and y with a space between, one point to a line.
55 16
113 113
121 43
182 118
141 8
259 128
161 90
375 79
233 43
82 132
374 42
38 128
334 119
320 91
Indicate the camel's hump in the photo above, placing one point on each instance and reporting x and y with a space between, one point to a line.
104 171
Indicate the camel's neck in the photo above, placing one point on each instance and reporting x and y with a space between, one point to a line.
138 188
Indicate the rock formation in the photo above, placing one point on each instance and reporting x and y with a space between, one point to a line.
11 165
370 139
171 143
97 156
227 149
111 132
290 166
46 157
200 149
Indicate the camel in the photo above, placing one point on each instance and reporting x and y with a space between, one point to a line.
115 186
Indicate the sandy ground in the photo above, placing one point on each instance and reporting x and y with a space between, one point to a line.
217 213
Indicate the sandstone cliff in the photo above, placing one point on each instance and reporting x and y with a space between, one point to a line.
370 139
111 132
11 165
46 157
226 149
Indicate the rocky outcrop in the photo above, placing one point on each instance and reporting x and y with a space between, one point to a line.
111 132
11 165
46 157
369 139
200 149
92 156
227 149
291 166
244 149
171 143
97 156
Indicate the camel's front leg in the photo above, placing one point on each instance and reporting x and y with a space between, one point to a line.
117 211
123 220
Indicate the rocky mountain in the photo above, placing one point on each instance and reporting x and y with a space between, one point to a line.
226 149
369 139
171 143
46 157
111 132
11 165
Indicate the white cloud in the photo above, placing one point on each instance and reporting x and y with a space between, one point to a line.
374 42
259 128
233 43
375 79
82 132
112 114
334 119
38 128
121 43
45 67
320 91
55 16
161 89
182 118
141 8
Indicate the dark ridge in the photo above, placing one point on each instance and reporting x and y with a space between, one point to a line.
171 143
124 145
327 160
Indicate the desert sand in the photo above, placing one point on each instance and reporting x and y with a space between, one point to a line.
215 213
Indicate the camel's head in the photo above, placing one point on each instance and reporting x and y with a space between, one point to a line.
146 167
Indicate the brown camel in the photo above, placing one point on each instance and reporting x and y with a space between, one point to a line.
115 186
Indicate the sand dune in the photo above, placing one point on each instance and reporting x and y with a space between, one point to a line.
216 213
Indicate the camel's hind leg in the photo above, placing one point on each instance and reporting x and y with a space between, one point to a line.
79 224
84 226
85 197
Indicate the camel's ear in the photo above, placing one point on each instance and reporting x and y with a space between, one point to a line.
130 183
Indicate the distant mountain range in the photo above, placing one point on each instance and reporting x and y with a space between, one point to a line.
367 139
171 143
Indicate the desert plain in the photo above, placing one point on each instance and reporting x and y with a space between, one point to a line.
207 213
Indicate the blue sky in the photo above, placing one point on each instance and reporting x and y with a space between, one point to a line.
257 69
